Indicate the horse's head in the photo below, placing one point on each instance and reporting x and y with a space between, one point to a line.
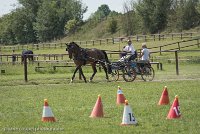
72 49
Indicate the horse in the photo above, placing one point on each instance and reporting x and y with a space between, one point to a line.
83 56
26 52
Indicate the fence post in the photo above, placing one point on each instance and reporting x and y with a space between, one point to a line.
25 68
181 36
159 37
172 36
179 46
176 57
1 58
113 40
145 38
160 50
198 43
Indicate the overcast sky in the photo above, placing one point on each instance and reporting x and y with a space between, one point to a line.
7 6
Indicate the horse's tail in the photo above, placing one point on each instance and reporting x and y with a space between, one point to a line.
108 62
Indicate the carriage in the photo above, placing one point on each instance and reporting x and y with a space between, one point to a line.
130 69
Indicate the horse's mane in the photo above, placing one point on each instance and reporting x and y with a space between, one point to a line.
75 44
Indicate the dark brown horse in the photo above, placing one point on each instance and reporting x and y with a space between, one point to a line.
28 54
82 56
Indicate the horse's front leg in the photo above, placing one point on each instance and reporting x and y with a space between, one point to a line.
77 68
94 71
81 73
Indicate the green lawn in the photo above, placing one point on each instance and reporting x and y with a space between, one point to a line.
21 107
21 103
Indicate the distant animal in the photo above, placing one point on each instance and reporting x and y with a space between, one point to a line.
82 56
26 53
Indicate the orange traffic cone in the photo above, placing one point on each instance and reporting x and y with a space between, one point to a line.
174 111
128 117
98 108
47 115
164 99
120 96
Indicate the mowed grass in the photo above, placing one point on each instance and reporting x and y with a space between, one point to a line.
21 103
21 107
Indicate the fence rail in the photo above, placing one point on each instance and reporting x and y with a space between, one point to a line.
138 38
159 49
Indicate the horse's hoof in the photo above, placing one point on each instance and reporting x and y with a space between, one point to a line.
90 81
71 81
108 81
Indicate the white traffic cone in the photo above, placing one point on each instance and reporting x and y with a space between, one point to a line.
47 115
128 117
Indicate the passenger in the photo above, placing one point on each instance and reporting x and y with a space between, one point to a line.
145 54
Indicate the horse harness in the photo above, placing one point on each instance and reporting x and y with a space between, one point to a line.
83 56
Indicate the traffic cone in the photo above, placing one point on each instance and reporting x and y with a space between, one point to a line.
47 115
98 108
174 111
128 117
164 99
120 96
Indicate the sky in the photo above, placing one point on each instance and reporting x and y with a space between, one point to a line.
7 6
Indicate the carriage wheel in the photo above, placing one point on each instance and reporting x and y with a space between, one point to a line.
114 76
148 74
129 75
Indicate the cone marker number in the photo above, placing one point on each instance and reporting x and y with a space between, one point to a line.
177 110
132 118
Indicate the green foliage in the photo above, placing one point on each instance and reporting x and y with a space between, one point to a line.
44 20
191 17
154 14
71 25
39 20
102 12
112 25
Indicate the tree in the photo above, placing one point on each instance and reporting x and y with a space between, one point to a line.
191 17
104 9
102 12
7 35
70 26
154 14
46 21
52 17
130 20
112 25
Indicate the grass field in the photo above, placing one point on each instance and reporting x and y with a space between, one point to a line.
21 107
22 103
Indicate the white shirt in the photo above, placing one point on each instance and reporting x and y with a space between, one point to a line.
145 52
130 48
